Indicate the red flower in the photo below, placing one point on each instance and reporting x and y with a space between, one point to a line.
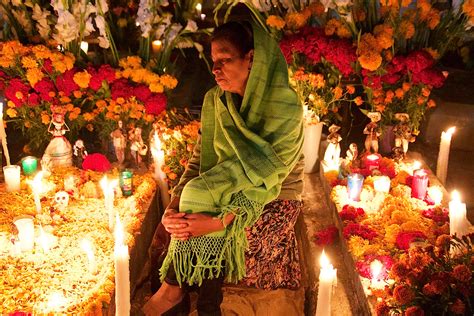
48 66
419 60
326 236
414 311
462 273
142 92
391 78
363 231
33 99
105 72
439 215
17 92
96 162
382 309
65 82
403 294
156 104
44 87
405 238
121 89
458 307
18 313
373 82
430 77
350 213
398 64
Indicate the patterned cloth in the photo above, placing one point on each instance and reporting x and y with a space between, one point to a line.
272 259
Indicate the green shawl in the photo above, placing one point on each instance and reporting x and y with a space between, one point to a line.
245 156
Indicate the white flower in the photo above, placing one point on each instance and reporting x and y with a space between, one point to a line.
57 5
89 27
328 4
16 3
145 17
199 48
191 26
41 17
67 28
173 32
184 43
262 5
103 40
102 6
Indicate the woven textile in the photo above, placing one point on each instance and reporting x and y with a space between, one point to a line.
245 156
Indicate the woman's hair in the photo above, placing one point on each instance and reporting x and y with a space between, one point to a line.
239 34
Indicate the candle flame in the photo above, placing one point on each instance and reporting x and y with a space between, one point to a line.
118 231
156 43
451 130
199 7
455 196
324 260
435 194
376 268
56 301
373 157
416 165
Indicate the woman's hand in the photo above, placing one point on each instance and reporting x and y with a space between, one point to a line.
202 224
174 223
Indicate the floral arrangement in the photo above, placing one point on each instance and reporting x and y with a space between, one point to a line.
178 133
391 47
40 81
420 274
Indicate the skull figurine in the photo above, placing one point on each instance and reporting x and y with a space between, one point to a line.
61 200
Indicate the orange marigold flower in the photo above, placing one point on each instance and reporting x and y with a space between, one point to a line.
359 15
276 22
82 79
378 93
370 61
433 19
358 101
69 107
407 29
424 6
331 26
34 75
27 124
296 20
458 307
337 92
172 175
406 86
468 8
120 100
425 92
399 93
168 81
433 52
380 108
316 8
462 273
414 311
77 94
368 42
343 32
156 87
403 294
11 112
88 117
350 89
420 100
101 104
382 309
41 51
390 94
398 271
28 62
443 241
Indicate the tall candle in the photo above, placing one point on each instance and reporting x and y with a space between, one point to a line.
419 184
457 215
108 190
86 246
3 136
12 178
160 176
382 184
354 185
198 9
36 188
122 273
443 155
372 162
26 232
327 278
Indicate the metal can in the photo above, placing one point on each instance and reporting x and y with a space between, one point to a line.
126 183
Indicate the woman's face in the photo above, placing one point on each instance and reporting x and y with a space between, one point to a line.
230 70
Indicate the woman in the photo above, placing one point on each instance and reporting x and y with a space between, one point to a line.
252 135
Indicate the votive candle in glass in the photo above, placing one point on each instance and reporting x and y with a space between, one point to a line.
354 186
12 177
419 184
29 165
372 162
26 232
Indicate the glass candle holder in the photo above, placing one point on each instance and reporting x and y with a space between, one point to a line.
419 184
126 183
12 177
29 165
26 232
372 162
354 186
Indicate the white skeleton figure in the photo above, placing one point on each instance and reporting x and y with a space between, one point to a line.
61 200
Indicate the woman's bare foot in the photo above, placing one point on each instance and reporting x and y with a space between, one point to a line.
166 297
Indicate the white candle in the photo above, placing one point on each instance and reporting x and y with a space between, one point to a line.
156 46
12 177
457 215
443 155
3 136
203 16
382 184
375 269
436 194
36 188
84 47
160 176
198 9
86 246
26 232
108 190
327 278
122 273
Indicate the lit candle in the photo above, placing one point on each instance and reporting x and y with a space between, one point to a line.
382 184
43 240
376 268
108 190
36 188
122 273
26 232
203 16
86 246
12 178
56 302
415 166
198 9
84 47
156 46
327 278
419 184
435 193
29 165
457 215
3 136
354 185
372 162
443 155
160 176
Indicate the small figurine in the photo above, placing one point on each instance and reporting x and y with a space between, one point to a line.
79 153
373 133
403 132
333 151
397 154
59 151
352 153
120 142
138 148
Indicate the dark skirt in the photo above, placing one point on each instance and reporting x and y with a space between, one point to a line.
272 260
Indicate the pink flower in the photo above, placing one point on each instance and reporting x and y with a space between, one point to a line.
404 239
